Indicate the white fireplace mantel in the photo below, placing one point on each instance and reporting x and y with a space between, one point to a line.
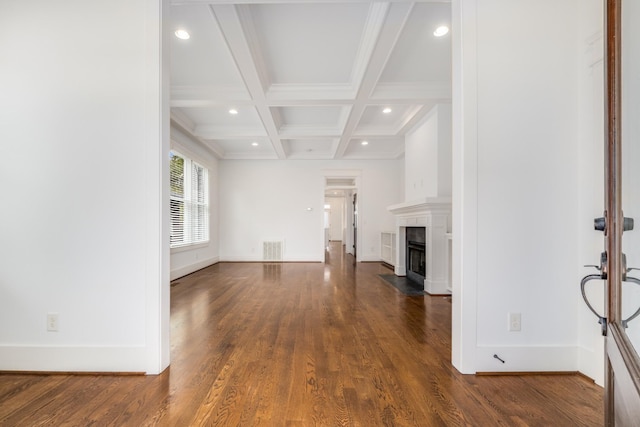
421 206
433 213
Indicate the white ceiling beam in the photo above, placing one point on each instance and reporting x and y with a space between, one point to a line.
231 25
394 23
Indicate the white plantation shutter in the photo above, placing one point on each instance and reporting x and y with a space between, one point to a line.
189 202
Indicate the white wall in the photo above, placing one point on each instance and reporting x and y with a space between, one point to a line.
268 200
336 218
85 143
188 259
516 184
428 156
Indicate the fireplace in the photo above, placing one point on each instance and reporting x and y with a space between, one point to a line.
422 244
416 254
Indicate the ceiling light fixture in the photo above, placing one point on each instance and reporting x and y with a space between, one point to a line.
182 34
386 110
233 111
441 31
365 142
255 144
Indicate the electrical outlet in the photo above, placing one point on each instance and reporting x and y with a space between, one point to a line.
52 322
515 322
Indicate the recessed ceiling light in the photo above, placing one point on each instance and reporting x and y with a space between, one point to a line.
387 110
182 34
255 144
441 31
365 143
233 111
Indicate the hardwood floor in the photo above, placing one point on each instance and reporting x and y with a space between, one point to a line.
302 345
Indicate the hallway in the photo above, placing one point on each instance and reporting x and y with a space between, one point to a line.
302 344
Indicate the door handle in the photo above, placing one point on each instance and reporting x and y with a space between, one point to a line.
601 319
637 312
602 268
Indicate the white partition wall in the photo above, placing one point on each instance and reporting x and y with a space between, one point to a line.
518 159
84 115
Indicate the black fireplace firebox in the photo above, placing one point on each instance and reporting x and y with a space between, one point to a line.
416 254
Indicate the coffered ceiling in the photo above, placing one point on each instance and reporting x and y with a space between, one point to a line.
307 80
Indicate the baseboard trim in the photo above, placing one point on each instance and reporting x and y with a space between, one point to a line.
192 268
75 373
528 373
76 359
527 359
262 261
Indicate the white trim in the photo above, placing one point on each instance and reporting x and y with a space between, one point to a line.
464 185
527 359
74 358
258 259
190 247
156 143
590 363
188 269
181 148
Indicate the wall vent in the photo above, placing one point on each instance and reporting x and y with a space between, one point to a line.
272 251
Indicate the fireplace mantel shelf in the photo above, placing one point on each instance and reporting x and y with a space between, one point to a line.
420 205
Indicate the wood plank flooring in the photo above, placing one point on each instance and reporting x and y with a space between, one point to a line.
302 345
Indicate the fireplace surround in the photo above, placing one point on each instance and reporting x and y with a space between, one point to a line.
434 216
416 254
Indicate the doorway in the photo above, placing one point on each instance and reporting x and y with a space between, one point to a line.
340 189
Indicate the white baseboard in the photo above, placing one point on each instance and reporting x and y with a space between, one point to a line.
527 359
436 287
368 258
188 269
591 363
249 258
73 359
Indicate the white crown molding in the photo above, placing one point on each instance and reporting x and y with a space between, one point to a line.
183 124
399 152
216 148
181 120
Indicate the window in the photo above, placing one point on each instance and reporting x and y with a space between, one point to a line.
189 211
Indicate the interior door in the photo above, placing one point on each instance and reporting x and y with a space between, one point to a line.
622 199
355 225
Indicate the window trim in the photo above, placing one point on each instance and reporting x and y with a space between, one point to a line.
189 164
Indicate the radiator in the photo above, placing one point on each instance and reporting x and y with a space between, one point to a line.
272 251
